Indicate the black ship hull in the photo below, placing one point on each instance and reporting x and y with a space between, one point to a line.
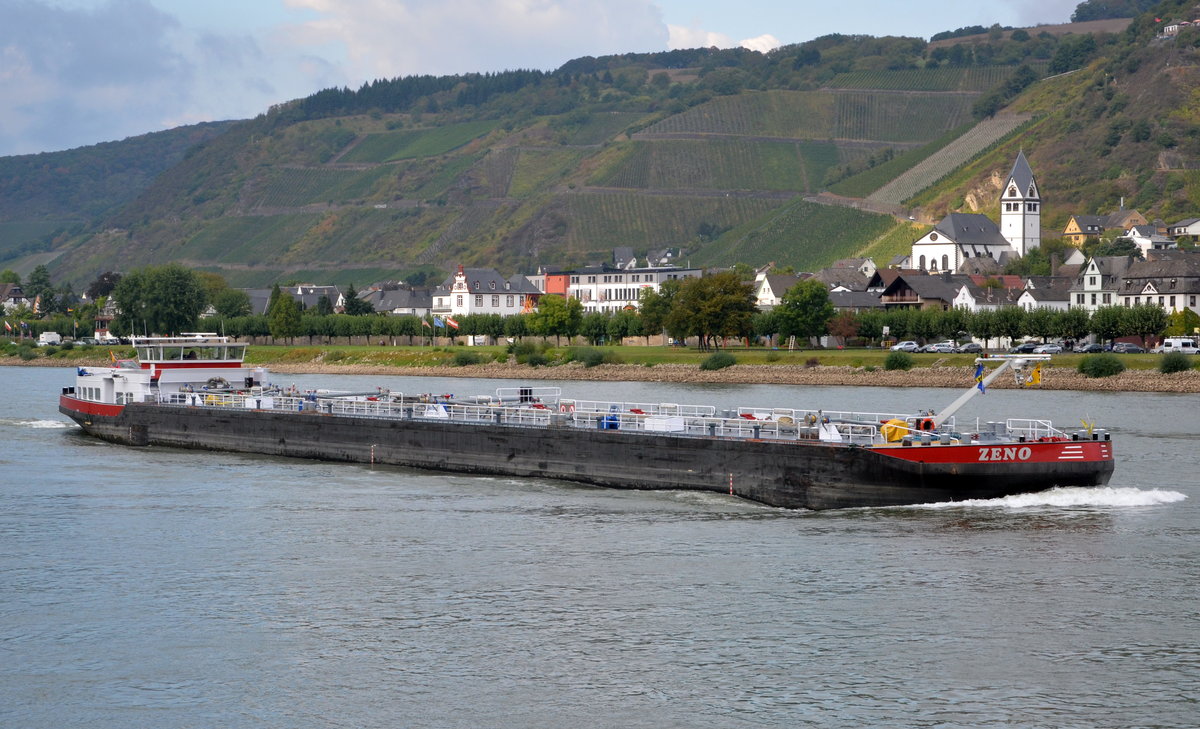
790 474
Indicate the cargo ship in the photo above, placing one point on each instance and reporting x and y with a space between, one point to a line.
194 391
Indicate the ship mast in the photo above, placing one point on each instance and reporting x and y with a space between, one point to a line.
1013 362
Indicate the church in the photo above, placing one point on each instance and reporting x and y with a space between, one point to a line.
959 237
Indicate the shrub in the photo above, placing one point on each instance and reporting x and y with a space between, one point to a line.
465 357
27 354
812 362
1101 365
501 357
773 355
589 356
50 350
336 355
1175 362
869 368
898 361
68 345
522 349
536 359
718 361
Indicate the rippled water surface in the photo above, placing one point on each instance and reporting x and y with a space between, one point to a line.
167 588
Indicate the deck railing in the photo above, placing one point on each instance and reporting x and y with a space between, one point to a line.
526 407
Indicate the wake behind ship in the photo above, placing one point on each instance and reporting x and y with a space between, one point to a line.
193 391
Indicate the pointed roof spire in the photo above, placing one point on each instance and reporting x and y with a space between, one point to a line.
1022 174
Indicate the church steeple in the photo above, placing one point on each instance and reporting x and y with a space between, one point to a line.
1021 208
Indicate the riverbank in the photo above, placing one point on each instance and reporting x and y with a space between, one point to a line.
1054 378
953 377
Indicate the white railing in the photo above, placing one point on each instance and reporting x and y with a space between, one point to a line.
1033 429
667 418
638 408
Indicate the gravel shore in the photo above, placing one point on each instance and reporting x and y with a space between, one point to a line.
956 377
1053 378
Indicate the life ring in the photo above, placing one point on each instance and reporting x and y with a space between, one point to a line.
926 424
218 383
566 407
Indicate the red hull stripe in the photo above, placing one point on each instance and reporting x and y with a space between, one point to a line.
1056 452
89 408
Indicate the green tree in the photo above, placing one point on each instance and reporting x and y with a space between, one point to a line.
709 307
9 276
324 306
624 323
1109 322
284 318
926 324
1073 324
574 317
158 299
1010 322
1182 323
356 306
38 285
765 325
103 285
551 318
1146 320
805 310
517 326
232 303
983 325
594 327
870 325
655 306
1041 322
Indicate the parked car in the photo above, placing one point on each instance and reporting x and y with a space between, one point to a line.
1024 348
969 348
906 346
1127 348
946 347
87 341
1089 348
1048 349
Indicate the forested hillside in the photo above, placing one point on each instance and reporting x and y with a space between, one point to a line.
723 154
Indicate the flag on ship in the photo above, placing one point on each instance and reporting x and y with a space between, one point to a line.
979 378
1035 376
451 322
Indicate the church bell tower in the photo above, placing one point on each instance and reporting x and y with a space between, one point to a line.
1021 208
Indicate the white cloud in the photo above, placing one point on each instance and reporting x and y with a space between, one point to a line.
762 44
693 37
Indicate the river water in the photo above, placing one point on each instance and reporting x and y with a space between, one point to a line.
167 588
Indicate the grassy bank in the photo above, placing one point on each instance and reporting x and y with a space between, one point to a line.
863 367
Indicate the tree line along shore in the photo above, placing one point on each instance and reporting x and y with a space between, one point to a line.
807 368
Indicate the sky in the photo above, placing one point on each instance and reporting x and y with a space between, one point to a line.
79 72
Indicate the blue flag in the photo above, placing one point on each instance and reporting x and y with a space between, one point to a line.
437 322
979 378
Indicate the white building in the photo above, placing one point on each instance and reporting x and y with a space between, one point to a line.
1021 208
1147 238
958 237
484 291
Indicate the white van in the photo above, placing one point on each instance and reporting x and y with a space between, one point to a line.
45 339
1187 345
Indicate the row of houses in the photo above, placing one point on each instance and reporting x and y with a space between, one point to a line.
1169 279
